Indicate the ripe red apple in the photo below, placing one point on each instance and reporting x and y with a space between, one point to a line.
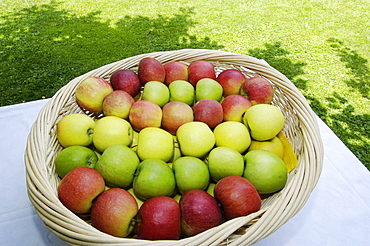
79 188
126 80
118 103
199 70
259 90
175 71
199 212
234 106
145 113
208 111
159 219
113 212
175 114
237 196
231 81
150 69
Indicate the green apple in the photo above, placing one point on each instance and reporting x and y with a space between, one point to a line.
156 92
274 145
117 165
232 134
211 189
75 129
138 200
208 89
182 91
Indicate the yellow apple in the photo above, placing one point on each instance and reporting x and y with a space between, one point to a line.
274 145
232 134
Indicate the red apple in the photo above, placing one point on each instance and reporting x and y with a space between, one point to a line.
145 113
237 196
175 114
234 107
150 69
159 219
118 103
231 81
175 71
199 70
259 90
199 212
113 212
79 188
208 111
126 80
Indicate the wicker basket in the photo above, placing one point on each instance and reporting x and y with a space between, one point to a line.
301 129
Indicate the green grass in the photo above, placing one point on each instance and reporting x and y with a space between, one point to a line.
321 46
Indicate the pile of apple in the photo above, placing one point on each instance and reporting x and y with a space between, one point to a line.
175 149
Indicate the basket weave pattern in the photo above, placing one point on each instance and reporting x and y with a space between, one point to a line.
301 129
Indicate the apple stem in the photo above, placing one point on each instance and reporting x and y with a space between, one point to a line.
136 221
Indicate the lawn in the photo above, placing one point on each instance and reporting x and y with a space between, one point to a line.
321 46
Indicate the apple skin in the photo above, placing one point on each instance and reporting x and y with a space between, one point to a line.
126 80
113 212
175 71
150 69
145 113
175 114
118 103
208 111
200 69
258 89
234 106
199 212
159 219
237 196
231 81
90 93
79 188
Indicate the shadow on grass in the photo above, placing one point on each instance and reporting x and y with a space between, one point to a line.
42 47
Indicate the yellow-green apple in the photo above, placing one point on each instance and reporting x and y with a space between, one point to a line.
126 80
117 165
138 200
234 106
175 114
175 70
199 212
232 134
156 92
231 81
211 188
258 89
201 69
208 89
145 113
208 111
118 103
265 170
238 197
74 156
159 219
154 142
90 93
274 145
114 211
153 177
79 188
182 91
150 69
111 130
75 129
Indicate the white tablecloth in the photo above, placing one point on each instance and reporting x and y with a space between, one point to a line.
337 212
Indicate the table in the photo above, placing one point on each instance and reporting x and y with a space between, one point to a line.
337 212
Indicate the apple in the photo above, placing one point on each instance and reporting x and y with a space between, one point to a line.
259 90
201 69
199 212
159 219
126 80
234 106
182 91
208 89
138 200
237 196
118 103
156 92
150 69
79 188
274 145
232 134
231 81
90 93
145 113
175 114
208 111
113 212
175 70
